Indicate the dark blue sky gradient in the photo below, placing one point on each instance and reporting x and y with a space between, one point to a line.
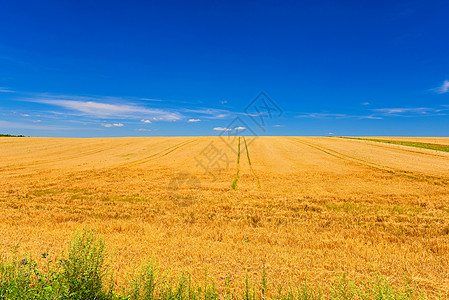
340 67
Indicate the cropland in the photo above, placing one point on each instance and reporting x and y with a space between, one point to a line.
296 207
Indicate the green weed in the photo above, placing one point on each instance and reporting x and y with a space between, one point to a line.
81 274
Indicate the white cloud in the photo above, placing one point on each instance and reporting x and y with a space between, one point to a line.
143 129
337 116
407 110
102 107
25 115
220 116
323 116
366 103
444 88
150 99
14 125
194 120
278 125
5 90
254 114
223 102
222 129
371 117
211 113
381 113
145 121
36 121
229 129
113 125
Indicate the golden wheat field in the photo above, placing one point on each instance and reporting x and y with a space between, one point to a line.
310 207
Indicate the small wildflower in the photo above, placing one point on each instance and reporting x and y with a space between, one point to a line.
23 261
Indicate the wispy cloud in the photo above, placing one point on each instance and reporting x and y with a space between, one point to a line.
381 113
337 116
150 99
324 116
105 107
16 125
408 111
210 113
113 125
444 88
278 125
6 90
146 121
24 115
194 120
141 129
371 117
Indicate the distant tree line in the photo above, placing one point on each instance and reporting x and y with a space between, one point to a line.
11 135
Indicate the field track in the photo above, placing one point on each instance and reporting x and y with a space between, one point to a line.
303 206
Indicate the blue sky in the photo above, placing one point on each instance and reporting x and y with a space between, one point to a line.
177 68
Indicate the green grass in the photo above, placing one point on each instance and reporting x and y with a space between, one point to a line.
238 155
82 274
247 152
236 180
249 162
436 147
237 176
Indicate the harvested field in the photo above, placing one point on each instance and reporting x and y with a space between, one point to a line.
305 206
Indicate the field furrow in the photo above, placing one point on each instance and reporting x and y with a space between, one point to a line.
310 207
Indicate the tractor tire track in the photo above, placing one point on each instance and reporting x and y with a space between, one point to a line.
96 150
383 145
157 155
397 172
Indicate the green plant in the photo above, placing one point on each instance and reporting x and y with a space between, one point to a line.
82 275
83 267
236 178
144 285
264 283
24 279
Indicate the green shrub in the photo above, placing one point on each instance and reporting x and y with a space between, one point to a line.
83 268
